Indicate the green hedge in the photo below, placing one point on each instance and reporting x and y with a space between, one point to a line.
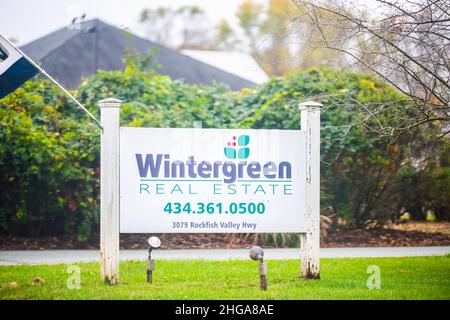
49 150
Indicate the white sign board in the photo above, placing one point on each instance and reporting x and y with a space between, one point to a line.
212 180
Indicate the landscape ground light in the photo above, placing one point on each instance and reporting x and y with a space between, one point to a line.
257 253
154 243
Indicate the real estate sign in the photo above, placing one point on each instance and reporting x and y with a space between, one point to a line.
212 180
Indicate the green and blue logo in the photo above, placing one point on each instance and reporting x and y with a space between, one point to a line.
241 151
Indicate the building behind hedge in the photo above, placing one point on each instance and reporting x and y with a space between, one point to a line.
78 51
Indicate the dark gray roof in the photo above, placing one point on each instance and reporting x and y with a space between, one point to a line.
69 54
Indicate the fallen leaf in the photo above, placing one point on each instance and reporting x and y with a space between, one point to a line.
38 281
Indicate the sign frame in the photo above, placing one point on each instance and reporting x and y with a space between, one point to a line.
110 190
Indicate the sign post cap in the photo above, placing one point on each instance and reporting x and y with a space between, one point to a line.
110 103
310 105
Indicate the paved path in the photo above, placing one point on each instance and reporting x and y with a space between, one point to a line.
73 256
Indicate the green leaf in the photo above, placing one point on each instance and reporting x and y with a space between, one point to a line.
243 153
243 140
230 153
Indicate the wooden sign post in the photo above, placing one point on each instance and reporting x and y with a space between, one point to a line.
310 241
109 190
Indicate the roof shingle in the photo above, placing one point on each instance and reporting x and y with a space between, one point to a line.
70 54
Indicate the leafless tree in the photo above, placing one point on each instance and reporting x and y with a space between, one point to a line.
405 42
185 27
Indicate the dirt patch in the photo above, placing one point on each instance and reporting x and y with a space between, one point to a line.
334 238
423 226
384 238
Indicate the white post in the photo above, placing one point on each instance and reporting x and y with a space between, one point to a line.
109 190
310 241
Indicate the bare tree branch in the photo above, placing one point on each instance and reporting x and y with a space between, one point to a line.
406 43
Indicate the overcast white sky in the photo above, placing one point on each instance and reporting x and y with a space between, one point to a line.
27 20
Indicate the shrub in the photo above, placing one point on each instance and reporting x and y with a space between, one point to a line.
49 151
48 165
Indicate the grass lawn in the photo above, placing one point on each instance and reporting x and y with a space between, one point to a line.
401 278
